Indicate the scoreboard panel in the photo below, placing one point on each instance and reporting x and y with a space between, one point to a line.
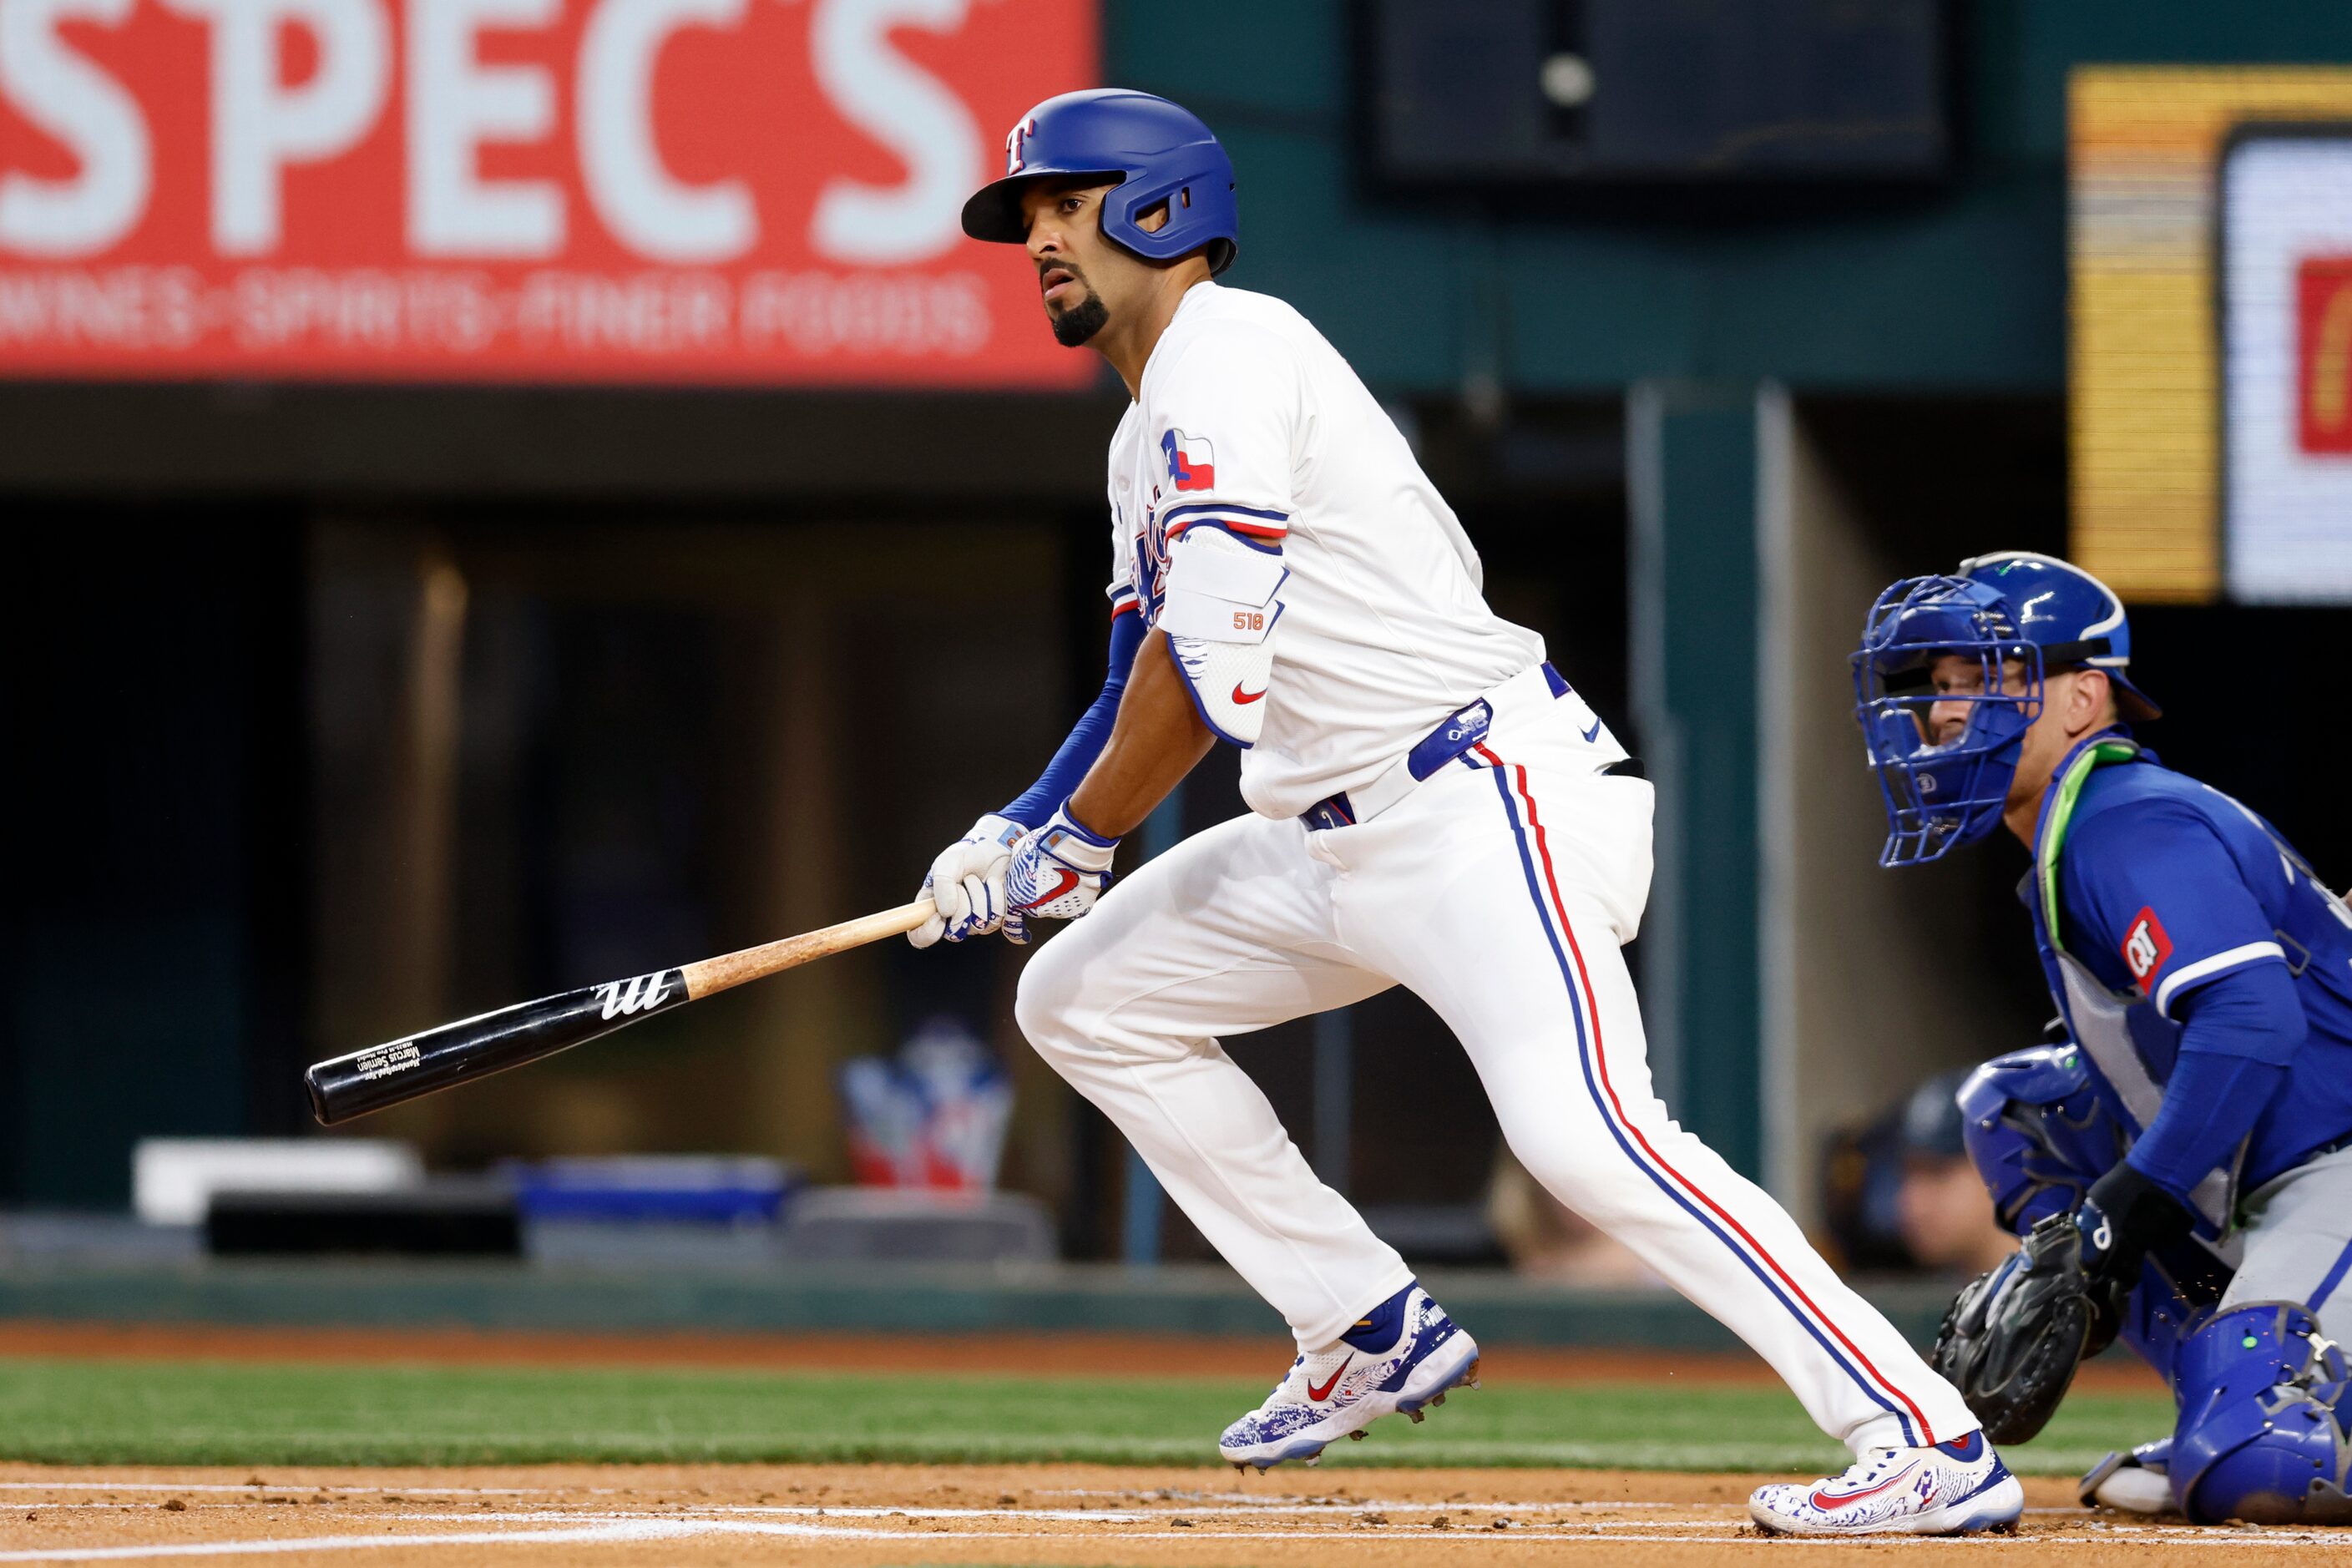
2145 381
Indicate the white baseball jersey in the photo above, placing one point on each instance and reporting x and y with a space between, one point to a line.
1248 421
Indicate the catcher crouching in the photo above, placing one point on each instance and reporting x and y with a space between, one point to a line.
2179 1163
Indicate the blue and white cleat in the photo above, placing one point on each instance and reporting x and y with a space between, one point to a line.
1403 1356
1953 1489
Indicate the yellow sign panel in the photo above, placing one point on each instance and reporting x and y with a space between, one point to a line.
2144 360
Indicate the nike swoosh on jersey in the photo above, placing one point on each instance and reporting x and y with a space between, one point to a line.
1593 733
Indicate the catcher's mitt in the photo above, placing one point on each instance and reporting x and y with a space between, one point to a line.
2012 1338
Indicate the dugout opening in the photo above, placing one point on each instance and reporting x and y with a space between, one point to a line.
1875 980
413 703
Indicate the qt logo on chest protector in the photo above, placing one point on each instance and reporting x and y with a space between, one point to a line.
2145 946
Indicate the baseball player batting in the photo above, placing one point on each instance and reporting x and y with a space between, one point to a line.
1432 805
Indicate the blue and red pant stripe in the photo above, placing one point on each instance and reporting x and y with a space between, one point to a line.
1526 828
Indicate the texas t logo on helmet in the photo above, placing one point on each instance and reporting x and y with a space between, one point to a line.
1014 161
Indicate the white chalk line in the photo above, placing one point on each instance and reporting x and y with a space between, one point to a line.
616 1534
281 1489
902 1511
1236 1502
638 1531
831 1521
1061 1517
720 1515
626 1528
1475 1514
284 1496
1106 1516
878 1511
1246 1500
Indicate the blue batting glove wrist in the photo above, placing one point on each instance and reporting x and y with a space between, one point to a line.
1064 817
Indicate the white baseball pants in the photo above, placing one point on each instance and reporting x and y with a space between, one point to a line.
1498 892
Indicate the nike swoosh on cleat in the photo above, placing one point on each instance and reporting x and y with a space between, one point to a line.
1241 695
1318 1395
1821 1500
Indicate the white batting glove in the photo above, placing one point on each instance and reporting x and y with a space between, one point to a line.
1057 871
966 883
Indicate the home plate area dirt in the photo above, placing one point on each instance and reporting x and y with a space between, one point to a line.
1065 1514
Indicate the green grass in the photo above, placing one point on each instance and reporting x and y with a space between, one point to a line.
110 1413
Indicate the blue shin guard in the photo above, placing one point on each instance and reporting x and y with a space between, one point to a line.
2259 1437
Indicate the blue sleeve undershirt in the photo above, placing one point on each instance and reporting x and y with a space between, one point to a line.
1088 736
2239 1031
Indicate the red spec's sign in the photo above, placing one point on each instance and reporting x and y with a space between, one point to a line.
2323 354
722 191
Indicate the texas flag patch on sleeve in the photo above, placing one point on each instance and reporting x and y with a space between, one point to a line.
2145 946
1192 462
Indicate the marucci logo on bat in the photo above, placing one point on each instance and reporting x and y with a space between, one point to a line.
493 1042
625 998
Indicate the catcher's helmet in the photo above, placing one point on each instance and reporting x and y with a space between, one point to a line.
1159 150
2076 618
2040 612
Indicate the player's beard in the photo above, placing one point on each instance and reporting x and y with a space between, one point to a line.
1081 322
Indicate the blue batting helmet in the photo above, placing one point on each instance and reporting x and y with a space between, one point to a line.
2037 611
1159 151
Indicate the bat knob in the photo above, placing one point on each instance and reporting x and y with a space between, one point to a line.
317 1094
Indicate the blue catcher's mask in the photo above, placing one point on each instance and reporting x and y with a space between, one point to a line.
2035 611
1940 795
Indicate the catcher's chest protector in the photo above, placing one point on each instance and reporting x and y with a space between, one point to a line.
2104 1021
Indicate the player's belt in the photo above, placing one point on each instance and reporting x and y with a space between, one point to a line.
1455 733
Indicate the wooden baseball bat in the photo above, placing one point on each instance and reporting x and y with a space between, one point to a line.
475 1047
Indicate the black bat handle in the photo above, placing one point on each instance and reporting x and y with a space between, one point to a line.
470 1048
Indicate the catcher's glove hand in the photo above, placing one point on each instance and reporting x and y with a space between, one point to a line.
2012 1340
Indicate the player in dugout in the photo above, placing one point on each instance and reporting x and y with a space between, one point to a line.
2180 1163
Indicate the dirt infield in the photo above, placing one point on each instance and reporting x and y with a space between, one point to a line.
702 1517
